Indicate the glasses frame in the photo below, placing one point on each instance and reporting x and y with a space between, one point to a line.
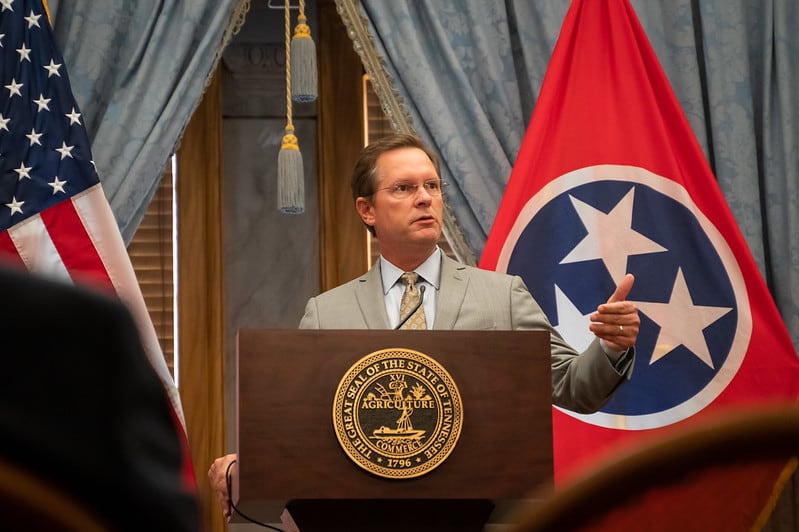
413 188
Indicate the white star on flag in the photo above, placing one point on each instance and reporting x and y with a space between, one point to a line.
15 206
74 117
58 186
52 69
34 137
14 87
42 103
33 20
24 53
23 171
572 324
624 240
65 151
681 322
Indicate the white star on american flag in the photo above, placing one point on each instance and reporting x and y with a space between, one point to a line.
33 20
42 103
14 87
65 151
23 171
58 186
4 122
24 53
7 4
52 68
34 137
15 206
74 117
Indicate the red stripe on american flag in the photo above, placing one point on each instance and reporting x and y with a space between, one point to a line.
187 467
8 251
75 247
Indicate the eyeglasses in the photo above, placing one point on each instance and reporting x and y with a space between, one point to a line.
407 190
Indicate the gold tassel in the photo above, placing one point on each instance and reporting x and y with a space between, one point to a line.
303 61
290 178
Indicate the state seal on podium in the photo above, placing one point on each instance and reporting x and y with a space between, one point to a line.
397 413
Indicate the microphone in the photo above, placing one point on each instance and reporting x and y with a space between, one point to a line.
414 309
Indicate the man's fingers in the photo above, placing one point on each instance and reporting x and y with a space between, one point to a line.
218 480
623 289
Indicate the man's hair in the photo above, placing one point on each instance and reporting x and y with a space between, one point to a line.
364 175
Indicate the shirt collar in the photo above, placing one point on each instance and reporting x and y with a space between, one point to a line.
429 270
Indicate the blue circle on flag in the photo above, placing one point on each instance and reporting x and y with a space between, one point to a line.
670 370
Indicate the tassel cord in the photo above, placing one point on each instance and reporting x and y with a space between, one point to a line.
289 123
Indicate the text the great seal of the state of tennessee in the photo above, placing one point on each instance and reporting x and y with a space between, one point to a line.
397 413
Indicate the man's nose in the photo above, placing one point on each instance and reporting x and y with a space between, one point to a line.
422 195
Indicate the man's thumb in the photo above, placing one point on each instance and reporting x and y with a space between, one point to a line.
623 289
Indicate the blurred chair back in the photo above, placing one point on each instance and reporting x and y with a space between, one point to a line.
722 459
28 502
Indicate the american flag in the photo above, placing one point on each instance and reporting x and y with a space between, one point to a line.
54 216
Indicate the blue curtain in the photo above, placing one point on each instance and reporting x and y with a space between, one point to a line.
138 70
469 72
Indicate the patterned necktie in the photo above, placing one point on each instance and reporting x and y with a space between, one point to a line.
409 300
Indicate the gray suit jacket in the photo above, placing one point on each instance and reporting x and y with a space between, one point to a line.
474 299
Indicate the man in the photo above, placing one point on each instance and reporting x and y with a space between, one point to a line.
397 190
82 409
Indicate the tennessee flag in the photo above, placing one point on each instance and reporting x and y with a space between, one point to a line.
54 216
609 180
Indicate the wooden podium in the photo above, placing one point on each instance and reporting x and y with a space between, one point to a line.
289 455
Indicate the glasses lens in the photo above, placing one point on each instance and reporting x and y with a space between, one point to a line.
432 187
405 190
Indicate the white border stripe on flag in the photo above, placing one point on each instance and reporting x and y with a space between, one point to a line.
37 250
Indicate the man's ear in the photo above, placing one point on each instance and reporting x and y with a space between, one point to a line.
365 210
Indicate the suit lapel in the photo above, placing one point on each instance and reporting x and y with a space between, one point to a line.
369 292
454 281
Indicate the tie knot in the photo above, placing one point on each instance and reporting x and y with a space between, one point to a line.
409 279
